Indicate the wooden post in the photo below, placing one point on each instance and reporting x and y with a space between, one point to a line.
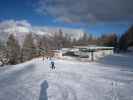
43 56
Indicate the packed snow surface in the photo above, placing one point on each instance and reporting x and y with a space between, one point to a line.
109 79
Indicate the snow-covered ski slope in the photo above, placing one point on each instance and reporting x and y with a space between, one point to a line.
110 79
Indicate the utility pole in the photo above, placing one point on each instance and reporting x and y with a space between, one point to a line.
92 55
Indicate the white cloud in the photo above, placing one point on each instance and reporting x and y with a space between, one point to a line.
87 10
9 23
12 26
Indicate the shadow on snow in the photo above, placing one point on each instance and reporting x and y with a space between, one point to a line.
43 91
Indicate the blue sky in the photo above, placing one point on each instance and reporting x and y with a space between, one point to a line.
35 12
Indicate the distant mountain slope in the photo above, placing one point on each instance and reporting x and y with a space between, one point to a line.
21 28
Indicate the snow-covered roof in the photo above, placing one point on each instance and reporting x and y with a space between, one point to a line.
93 47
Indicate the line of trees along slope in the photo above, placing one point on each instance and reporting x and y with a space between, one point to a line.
12 53
108 40
33 46
126 39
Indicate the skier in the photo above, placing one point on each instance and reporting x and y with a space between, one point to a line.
52 64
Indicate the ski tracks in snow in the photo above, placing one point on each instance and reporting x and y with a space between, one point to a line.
70 81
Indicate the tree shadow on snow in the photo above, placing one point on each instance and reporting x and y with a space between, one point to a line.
43 91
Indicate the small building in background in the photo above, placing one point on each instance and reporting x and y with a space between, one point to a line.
94 52
130 49
88 53
58 54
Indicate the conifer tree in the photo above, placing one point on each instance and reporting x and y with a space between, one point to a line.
28 49
13 50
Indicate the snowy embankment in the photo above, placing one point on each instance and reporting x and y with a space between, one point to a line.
71 80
